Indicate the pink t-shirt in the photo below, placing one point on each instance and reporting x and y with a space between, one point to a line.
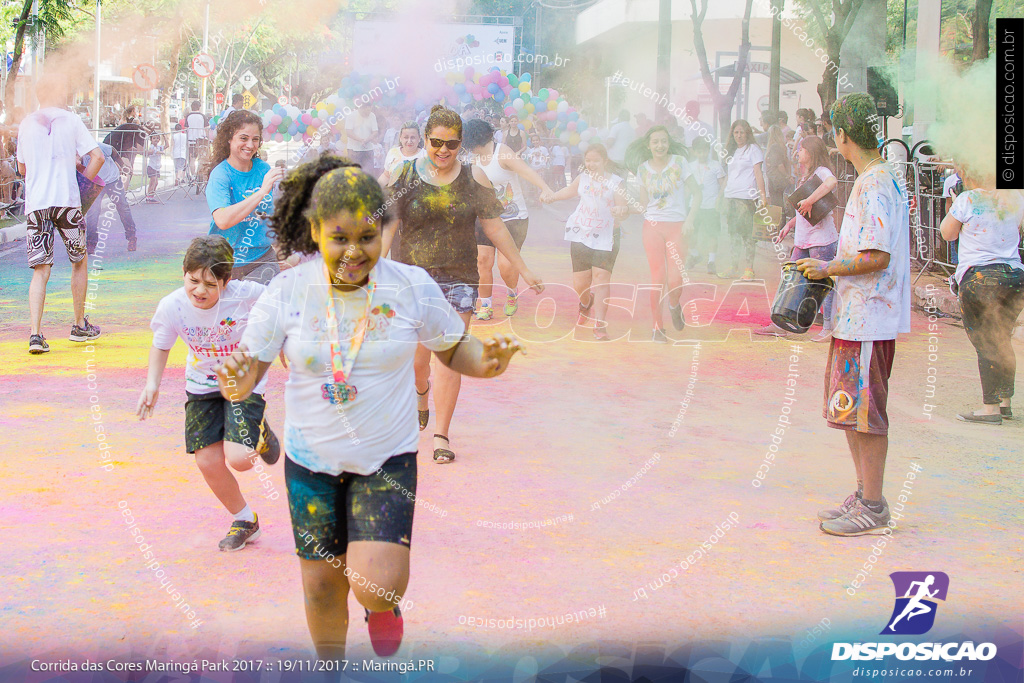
807 235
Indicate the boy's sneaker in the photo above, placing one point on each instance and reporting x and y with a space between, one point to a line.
748 274
859 520
511 304
37 344
484 313
677 317
659 336
844 507
239 534
133 243
86 333
268 447
386 629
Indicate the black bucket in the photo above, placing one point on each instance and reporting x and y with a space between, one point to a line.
798 299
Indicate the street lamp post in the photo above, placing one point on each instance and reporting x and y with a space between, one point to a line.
206 48
96 74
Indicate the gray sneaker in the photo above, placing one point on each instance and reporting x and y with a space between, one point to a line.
239 534
834 513
858 521
84 334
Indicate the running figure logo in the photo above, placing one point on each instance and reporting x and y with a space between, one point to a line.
916 595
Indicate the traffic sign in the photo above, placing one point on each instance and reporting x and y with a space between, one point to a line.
248 100
219 98
203 65
282 100
248 80
762 103
145 77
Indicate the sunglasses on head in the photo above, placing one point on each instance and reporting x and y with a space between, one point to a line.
436 143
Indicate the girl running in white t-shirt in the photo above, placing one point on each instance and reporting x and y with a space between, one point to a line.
350 323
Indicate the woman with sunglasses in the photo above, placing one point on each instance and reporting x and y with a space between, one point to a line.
438 202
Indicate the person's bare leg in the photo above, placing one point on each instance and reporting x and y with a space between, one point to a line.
218 477
509 274
601 290
79 283
447 384
873 449
37 297
241 457
485 265
421 368
581 282
325 589
383 564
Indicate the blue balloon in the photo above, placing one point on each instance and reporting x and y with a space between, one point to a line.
499 96
563 117
466 98
459 88
345 82
581 125
494 68
574 116
525 77
551 124
292 129
493 88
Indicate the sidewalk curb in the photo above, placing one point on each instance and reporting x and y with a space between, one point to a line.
13 232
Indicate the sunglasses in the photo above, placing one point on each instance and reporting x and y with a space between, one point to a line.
450 144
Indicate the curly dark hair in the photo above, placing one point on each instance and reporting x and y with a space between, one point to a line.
226 130
321 189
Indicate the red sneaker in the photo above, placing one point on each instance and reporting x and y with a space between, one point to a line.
386 629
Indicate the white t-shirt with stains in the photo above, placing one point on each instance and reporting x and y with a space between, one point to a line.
991 228
210 334
407 309
875 306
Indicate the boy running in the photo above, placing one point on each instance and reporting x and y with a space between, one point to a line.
210 313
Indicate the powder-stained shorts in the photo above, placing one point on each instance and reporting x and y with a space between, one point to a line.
210 418
42 224
461 296
329 511
517 227
857 385
584 258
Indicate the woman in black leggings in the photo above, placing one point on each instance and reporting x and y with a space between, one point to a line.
990 283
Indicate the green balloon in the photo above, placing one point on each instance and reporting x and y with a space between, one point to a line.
543 94
513 80
286 137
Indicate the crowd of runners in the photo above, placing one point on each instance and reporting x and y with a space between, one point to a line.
362 275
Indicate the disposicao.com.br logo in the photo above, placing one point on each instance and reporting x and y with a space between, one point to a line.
914 611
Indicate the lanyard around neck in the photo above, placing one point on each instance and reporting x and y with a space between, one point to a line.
342 362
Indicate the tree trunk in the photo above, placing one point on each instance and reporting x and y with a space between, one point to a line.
19 48
828 89
982 15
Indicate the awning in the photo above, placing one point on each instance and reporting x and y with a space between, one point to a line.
786 76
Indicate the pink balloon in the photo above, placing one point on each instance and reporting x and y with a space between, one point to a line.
510 111
552 94
275 120
571 126
468 72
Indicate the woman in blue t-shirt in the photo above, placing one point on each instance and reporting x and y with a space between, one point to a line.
238 194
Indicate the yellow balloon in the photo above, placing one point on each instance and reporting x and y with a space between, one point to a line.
330 108
524 87
574 138
529 108
528 124
552 105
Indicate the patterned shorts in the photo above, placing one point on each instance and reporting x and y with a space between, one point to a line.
43 223
857 385
461 296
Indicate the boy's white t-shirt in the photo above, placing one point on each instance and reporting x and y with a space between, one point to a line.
49 144
710 173
408 308
807 235
558 155
179 140
741 183
210 334
156 151
875 306
991 228
538 157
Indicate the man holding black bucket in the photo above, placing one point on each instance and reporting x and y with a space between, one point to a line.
872 271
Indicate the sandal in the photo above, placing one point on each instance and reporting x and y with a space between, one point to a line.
423 415
601 331
443 456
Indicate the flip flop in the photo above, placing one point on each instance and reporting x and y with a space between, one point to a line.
423 415
443 456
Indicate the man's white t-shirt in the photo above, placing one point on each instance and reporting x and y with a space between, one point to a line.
407 309
49 144
558 155
362 126
875 306
210 334
195 125
623 134
710 173
741 182
991 228
179 141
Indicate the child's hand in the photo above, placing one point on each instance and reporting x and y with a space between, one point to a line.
147 401
236 365
620 211
785 231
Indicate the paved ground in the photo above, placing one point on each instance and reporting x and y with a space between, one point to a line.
569 426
